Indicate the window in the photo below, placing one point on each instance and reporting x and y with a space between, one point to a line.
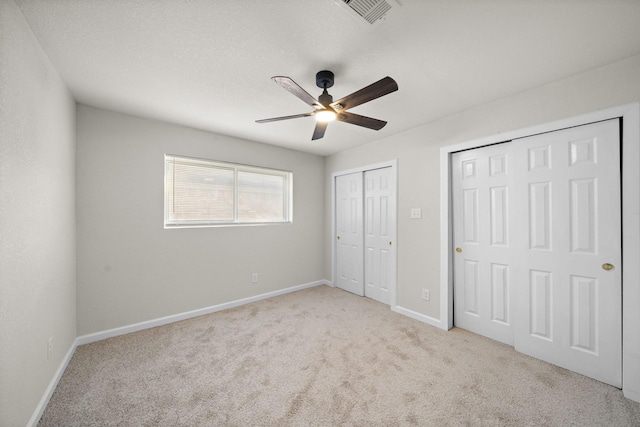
207 193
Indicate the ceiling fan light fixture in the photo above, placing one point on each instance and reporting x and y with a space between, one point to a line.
325 115
325 110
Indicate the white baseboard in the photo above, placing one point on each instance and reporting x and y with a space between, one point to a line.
42 405
86 339
417 316
631 395
98 336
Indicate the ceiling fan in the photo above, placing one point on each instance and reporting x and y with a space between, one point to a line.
326 110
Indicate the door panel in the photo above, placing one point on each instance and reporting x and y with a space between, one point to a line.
499 215
482 231
379 239
499 292
540 302
540 216
349 227
568 307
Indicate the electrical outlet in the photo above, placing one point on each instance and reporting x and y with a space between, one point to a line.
416 213
49 347
426 294
254 278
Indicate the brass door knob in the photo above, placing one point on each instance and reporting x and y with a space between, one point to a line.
338 237
390 243
608 267
459 250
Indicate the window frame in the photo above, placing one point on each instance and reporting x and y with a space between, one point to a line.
237 168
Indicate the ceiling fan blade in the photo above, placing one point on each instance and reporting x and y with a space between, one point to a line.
375 90
295 89
276 119
318 132
356 119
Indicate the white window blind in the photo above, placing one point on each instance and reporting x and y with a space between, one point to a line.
208 193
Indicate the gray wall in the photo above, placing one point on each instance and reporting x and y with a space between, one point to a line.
37 219
130 269
418 154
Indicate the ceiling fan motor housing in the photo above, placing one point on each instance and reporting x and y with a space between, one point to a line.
324 79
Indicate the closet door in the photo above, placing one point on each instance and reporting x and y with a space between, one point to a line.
349 228
379 235
567 200
483 270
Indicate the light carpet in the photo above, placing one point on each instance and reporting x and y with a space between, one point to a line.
321 357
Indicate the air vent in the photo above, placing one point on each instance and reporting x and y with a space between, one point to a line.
370 10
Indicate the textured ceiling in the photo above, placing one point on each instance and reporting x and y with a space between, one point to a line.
207 64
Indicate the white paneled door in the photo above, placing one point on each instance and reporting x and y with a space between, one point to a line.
350 231
365 233
482 238
380 217
538 225
569 306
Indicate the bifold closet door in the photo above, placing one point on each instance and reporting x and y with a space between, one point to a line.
569 291
483 269
537 232
350 231
365 233
379 222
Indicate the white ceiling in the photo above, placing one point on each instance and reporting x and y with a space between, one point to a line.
207 64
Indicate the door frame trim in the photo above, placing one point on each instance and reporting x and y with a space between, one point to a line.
630 152
393 164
